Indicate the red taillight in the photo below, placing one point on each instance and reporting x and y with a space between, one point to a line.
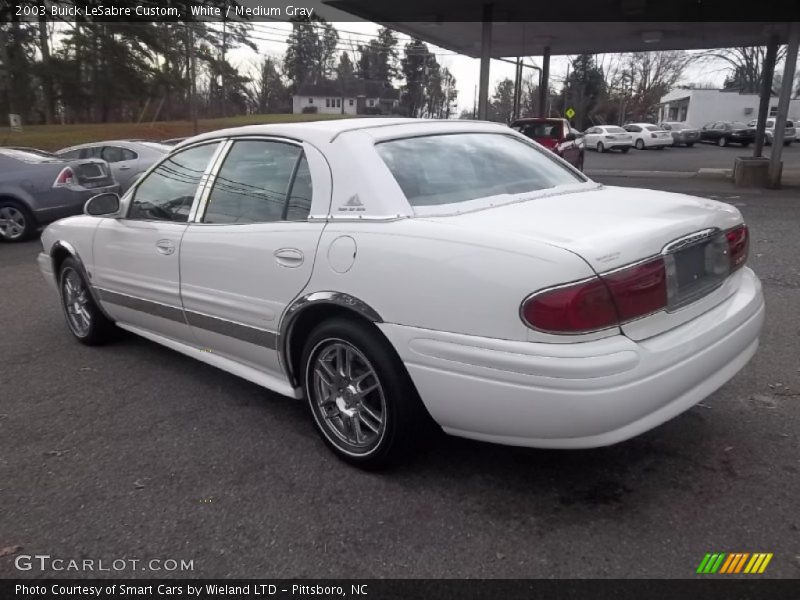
638 290
583 306
599 302
738 246
66 177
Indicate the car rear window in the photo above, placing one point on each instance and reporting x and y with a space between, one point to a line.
541 129
738 125
651 128
444 169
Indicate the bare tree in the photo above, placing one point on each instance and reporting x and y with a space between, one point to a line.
744 65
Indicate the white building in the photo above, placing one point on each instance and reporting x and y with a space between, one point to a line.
331 98
698 107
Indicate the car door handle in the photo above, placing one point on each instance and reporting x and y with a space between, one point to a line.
288 257
165 247
124 168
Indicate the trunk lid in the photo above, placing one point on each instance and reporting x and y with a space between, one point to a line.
610 227
92 172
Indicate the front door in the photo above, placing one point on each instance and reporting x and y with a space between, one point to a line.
251 251
136 259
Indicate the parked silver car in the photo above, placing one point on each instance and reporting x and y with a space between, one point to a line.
128 159
789 135
37 188
682 133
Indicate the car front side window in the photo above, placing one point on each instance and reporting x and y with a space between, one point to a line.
167 193
260 182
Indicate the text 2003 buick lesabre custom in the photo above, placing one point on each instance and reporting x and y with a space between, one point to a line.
393 271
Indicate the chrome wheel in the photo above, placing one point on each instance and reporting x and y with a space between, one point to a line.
346 396
75 297
12 223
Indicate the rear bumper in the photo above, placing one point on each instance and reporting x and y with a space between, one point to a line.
579 395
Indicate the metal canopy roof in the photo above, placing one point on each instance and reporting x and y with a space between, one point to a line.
526 27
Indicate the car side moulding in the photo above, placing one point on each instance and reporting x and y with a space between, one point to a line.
61 245
303 303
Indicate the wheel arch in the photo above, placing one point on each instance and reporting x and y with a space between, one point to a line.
308 311
59 252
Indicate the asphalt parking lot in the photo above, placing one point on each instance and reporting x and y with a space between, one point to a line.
134 451
683 159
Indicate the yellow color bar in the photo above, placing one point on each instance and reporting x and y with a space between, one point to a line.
765 563
757 558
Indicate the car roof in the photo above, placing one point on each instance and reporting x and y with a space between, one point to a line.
323 132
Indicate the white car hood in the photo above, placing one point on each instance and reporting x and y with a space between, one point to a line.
607 226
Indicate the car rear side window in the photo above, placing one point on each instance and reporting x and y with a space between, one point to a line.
260 182
167 193
113 154
443 169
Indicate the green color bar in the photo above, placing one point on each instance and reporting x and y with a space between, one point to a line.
711 562
703 563
718 564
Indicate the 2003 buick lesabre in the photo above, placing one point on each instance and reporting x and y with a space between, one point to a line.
391 271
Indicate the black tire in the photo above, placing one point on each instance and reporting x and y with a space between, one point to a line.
722 142
580 164
22 224
787 143
625 149
745 144
660 147
639 144
600 147
93 328
690 144
404 421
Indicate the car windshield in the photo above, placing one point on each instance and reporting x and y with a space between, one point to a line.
615 130
30 155
443 169
540 129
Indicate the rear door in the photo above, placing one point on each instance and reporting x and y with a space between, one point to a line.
251 249
136 258
123 162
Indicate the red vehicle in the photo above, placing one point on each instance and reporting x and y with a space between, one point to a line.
555 134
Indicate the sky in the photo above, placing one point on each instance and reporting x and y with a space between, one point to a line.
270 38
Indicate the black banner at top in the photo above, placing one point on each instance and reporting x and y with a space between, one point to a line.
401 11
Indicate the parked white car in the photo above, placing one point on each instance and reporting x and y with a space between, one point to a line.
789 135
390 271
647 135
607 137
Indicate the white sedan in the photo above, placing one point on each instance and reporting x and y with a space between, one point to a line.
646 135
395 273
607 137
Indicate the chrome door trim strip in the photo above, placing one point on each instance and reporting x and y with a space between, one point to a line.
207 181
239 331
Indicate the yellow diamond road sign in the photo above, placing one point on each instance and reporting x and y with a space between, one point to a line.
570 112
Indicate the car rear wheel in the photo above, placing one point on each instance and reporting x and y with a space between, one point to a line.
690 144
85 319
16 223
639 144
625 149
722 142
361 398
600 147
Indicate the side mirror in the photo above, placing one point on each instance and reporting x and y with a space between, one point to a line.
570 137
102 205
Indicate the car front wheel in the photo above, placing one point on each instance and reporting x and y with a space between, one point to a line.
360 396
600 147
639 144
85 319
16 223
722 142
